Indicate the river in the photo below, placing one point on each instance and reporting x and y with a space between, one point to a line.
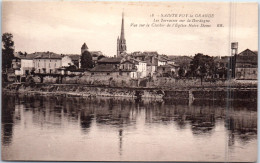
109 129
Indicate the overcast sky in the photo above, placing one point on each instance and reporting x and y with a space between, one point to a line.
62 27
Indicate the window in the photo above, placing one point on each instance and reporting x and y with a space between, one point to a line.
108 73
26 72
49 65
50 60
55 65
92 73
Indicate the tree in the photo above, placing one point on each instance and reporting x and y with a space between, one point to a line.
101 56
86 60
181 72
202 66
7 50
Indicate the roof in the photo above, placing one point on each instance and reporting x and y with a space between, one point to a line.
166 66
136 61
174 65
247 56
127 61
103 68
144 54
160 58
47 55
28 56
247 52
74 57
95 53
148 63
181 60
110 60
223 59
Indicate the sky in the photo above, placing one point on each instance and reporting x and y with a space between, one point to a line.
63 26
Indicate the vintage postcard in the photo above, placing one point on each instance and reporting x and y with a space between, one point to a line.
129 81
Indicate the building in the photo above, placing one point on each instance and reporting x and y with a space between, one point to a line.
66 61
222 64
162 60
47 62
246 65
121 42
105 70
141 68
182 61
96 55
16 63
167 70
151 68
110 61
75 58
127 65
26 64
109 70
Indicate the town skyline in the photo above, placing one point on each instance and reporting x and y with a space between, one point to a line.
43 28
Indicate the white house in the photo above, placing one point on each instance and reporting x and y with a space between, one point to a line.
66 61
162 61
47 62
141 68
25 66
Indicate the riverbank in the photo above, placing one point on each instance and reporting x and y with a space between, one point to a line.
214 93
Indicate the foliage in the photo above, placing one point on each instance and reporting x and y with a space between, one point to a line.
86 60
7 50
101 56
181 72
22 54
202 66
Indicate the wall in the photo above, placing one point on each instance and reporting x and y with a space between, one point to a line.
246 73
160 63
66 61
26 64
150 70
48 64
141 67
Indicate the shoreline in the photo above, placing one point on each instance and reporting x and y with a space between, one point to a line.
76 90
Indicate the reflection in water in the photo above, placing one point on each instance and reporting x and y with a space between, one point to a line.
125 117
8 109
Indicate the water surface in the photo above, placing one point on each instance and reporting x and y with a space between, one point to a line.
107 129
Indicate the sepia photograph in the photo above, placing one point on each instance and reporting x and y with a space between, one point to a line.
129 81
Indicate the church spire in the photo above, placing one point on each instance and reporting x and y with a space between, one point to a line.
121 43
122 37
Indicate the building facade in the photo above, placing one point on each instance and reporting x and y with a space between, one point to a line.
47 63
246 65
66 61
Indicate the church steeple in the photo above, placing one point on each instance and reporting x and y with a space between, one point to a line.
121 43
122 37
